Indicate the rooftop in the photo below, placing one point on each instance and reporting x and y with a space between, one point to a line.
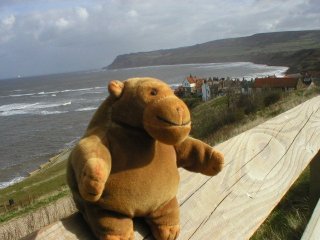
275 82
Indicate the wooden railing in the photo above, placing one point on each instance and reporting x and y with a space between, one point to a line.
312 231
261 165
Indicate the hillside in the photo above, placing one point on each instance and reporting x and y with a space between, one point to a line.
300 50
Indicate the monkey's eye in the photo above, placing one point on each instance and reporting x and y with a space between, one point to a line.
154 92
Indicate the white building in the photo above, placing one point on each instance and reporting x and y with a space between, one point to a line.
206 92
189 85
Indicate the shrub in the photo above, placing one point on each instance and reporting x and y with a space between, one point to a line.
248 103
271 98
205 124
212 119
192 102
232 117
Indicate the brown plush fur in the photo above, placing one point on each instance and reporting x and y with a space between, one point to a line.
126 165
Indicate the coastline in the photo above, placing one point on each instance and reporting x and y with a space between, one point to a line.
22 105
63 155
194 64
58 158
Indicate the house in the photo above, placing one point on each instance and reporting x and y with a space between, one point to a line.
311 77
227 86
189 85
246 87
206 91
215 86
199 83
283 83
212 87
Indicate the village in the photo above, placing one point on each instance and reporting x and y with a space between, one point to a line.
212 87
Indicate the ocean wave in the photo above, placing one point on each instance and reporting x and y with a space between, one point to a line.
21 95
71 90
222 65
31 108
86 109
194 65
271 72
67 103
54 93
48 93
81 89
70 144
51 112
11 182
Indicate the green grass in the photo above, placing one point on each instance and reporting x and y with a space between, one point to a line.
215 122
45 186
46 181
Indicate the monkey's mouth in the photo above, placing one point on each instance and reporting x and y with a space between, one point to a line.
173 123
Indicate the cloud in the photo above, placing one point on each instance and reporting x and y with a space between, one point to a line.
38 37
132 13
8 22
82 13
62 23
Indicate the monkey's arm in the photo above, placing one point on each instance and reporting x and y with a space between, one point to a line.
197 156
89 166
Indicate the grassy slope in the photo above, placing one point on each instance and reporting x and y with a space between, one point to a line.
48 184
246 122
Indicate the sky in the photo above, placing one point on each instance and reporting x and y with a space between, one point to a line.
53 36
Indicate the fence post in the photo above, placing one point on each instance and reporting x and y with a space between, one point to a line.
314 181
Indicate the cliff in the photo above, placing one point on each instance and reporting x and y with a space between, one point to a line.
300 50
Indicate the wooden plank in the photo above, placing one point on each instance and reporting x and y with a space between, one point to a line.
261 165
73 227
312 231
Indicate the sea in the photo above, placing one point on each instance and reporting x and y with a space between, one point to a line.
42 115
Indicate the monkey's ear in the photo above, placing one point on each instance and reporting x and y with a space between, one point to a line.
115 88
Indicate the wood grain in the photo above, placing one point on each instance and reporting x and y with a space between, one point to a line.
261 165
